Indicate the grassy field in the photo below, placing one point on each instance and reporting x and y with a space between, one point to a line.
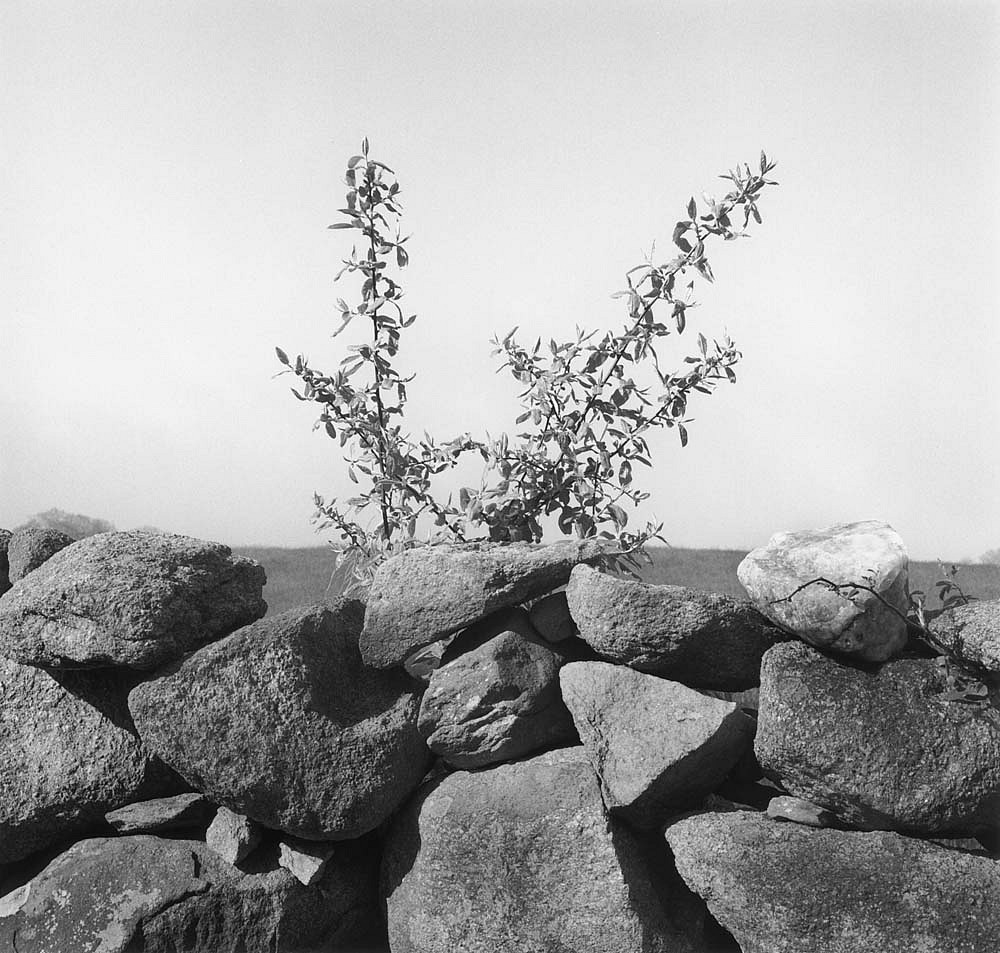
298 577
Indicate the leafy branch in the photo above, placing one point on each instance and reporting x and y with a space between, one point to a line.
588 404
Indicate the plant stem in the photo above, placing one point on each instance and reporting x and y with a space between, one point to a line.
382 450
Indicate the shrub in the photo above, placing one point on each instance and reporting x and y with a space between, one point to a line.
588 404
75 525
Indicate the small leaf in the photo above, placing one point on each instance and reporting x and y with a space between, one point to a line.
682 430
282 356
692 208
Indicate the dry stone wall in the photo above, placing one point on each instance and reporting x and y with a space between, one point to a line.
505 749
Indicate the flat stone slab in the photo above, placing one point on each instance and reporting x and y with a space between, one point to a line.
495 696
869 626
520 857
785 888
177 813
425 594
281 722
655 745
128 599
880 748
703 639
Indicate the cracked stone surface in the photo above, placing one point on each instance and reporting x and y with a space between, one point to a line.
128 599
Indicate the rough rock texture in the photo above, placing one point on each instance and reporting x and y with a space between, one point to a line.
5 535
425 594
799 811
656 746
519 858
232 836
68 755
495 696
143 894
880 749
281 722
29 548
870 553
703 639
135 599
551 619
177 813
971 633
305 860
783 888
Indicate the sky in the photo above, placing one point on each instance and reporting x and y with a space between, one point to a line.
169 171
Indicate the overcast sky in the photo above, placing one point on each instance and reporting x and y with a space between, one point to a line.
169 170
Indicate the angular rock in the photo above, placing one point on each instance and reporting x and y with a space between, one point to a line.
232 836
495 696
425 594
29 548
128 599
316 745
177 813
784 888
550 617
5 535
703 639
799 811
68 755
304 860
971 633
174 896
655 745
519 858
851 622
881 749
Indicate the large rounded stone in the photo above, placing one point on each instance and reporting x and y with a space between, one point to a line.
971 633
68 755
29 548
879 748
142 894
520 858
703 639
134 599
656 746
280 721
851 621
495 696
785 888
425 594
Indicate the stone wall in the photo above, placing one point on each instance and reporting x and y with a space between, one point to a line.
504 749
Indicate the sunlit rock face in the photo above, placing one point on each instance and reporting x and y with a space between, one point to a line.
790 581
